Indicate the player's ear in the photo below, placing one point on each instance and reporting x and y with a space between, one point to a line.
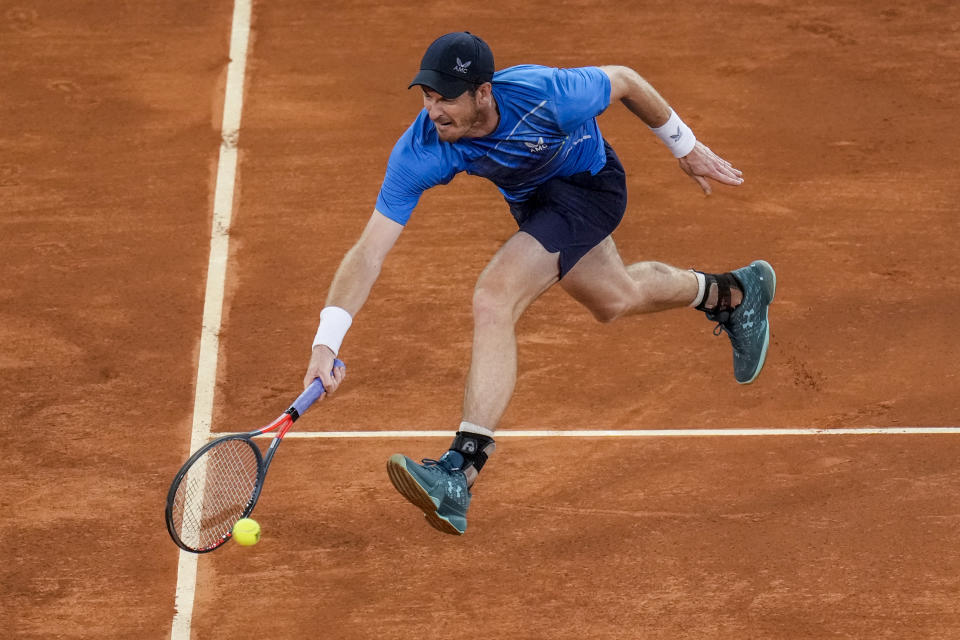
485 93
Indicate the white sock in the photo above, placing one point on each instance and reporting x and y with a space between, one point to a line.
469 427
701 288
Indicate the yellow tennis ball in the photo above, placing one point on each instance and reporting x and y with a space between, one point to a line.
246 532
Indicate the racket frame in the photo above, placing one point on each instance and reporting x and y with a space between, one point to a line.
282 424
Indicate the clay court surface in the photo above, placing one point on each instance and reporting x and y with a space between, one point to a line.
842 115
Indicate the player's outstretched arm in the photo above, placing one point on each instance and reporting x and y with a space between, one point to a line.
696 159
351 285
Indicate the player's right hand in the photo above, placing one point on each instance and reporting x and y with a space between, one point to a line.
321 366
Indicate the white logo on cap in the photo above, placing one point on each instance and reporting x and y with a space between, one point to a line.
462 66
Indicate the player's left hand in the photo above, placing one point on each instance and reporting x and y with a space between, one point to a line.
702 163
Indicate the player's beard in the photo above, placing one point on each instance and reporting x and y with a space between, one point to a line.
458 127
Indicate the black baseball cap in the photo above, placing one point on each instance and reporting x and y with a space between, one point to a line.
454 63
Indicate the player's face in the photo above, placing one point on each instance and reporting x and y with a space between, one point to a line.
453 117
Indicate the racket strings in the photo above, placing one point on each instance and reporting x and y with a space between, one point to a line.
215 493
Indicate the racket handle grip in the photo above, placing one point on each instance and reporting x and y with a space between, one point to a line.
310 395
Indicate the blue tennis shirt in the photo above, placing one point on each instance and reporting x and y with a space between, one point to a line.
547 128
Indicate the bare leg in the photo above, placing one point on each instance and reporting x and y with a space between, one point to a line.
516 276
520 271
602 283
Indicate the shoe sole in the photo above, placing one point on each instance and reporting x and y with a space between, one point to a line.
404 482
766 337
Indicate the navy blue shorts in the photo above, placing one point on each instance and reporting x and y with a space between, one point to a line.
574 214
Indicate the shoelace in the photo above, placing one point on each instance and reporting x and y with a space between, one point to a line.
722 318
722 326
430 462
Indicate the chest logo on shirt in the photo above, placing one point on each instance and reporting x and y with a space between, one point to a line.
536 148
462 67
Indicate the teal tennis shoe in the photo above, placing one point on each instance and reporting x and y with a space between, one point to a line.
436 487
748 326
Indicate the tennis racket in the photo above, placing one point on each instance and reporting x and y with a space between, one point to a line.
222 481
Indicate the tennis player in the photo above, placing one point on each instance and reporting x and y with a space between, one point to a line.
533 132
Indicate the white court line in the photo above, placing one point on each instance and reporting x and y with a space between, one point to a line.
216 277
626 433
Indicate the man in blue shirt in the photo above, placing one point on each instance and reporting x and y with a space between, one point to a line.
532 131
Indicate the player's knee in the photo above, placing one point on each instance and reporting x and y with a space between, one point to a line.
607 313
490 306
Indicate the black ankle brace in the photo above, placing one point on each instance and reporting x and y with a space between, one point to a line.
474 447
724 282
468 453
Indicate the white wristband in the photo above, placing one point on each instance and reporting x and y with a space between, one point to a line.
676 135
334 323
